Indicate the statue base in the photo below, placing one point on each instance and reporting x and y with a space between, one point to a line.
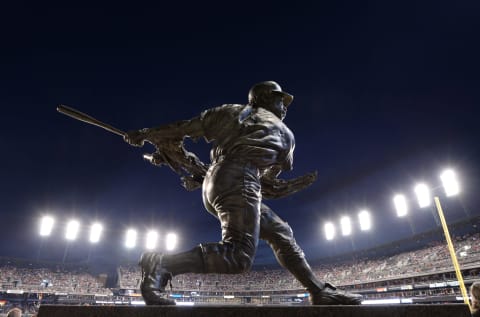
457 310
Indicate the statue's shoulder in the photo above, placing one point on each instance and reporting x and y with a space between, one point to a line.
225 109
231 107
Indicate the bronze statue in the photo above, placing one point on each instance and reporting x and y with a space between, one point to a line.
251 147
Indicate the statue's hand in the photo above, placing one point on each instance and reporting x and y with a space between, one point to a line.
135 137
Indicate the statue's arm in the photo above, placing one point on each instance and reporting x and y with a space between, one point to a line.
274 187
174 131
170 150
178 130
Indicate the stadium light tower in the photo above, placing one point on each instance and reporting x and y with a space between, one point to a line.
346 226
171 241
423 195
71 232
151 240
401 206
450 183
73 227
95 232
131 238
46 226
329 231
365 220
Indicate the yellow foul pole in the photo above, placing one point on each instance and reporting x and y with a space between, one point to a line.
453 255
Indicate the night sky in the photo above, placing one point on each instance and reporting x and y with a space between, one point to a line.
386 94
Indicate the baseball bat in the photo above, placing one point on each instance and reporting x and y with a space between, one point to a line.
74 113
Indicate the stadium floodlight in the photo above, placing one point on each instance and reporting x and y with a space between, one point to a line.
46 226
450 183
73 227
346 226
151 240
95 232
364 219
329 231
423 195
131 238
400 205
171 241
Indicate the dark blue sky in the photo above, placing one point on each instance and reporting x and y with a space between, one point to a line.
386 94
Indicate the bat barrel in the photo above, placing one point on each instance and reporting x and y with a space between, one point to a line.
74 113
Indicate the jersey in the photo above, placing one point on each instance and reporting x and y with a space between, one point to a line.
248 133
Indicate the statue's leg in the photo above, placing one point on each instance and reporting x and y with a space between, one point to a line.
154 279
278 234
231 191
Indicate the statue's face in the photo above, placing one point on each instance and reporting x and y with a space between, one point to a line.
277 106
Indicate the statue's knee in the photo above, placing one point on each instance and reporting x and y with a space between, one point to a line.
243 263
227 257
241 258
283 235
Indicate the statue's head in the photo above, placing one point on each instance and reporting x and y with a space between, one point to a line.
269 95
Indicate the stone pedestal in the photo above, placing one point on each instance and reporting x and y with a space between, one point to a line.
454 310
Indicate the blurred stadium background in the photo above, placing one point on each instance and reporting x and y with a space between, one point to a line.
413 270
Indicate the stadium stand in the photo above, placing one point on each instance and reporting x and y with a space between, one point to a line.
431 261
422 275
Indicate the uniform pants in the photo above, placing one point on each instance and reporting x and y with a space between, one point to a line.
232 193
